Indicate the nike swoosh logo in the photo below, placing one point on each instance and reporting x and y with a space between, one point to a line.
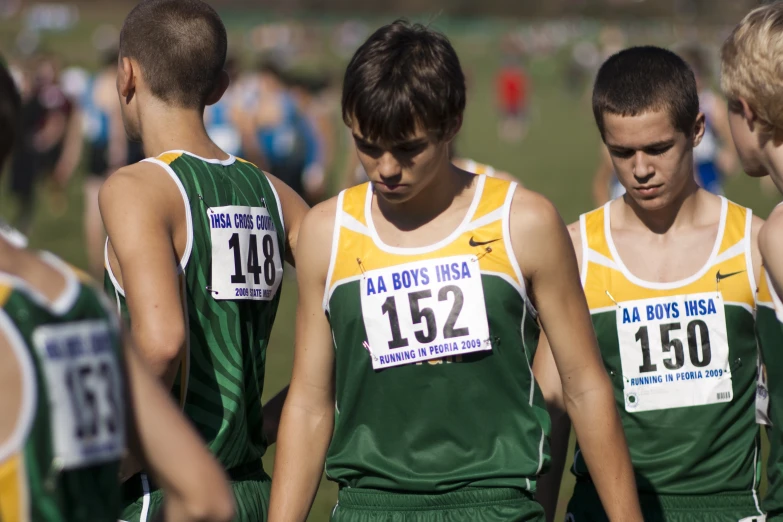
475 243
720 277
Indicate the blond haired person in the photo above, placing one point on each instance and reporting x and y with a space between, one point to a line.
752 80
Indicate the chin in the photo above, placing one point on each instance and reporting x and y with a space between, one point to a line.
652 204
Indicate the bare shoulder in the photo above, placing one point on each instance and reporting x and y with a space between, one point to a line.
315 235
11 389
143 182
532 214
768 233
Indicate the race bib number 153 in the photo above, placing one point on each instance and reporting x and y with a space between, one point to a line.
674 352
424 310
85 390
246 262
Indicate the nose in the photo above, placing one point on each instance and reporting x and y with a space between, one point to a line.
388 166
642 167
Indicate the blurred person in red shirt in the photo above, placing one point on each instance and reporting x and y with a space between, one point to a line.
513 91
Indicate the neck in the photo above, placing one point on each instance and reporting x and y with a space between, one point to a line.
680 212
773 159
432 201
167 128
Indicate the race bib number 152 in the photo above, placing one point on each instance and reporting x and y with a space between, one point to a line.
246 262
424 310
674 352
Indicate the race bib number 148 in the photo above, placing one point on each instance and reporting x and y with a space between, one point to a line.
424 310
246 262
674 352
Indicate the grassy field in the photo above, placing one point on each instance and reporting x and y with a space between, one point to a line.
557 159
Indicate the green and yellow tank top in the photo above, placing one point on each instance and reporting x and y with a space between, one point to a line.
62 460
682 358
769 325
434 347
230 280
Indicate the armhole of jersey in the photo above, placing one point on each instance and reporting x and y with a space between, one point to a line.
585 248
118 291
25 421
333 256
277 200
512 257
183 263
749 254
65 301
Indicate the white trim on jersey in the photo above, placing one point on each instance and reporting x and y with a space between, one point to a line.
674 284
24 423
183 263
428 248
63 302
338 219
512 258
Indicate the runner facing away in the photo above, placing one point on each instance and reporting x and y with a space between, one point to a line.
197 240
752 58
71 399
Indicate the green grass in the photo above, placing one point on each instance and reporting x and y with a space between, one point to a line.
557 159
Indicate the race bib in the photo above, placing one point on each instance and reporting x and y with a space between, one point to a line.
84 385
674 352
424 310
246 262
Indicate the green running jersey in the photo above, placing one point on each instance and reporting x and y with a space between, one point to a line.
434 347
230 274
61 463
769 325
682 357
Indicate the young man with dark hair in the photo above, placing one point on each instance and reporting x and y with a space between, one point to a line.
419 295
196 245
670 273
70 398
752 59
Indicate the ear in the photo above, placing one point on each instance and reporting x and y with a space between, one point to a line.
219 90
126 78
698 129
747 111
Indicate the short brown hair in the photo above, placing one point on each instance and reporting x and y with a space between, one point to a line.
10 109
644 79
180 46
404 75
752 65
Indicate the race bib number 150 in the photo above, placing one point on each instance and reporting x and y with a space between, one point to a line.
424 310
674 352
246 262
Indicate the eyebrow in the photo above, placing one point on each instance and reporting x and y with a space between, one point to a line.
655 145
407 143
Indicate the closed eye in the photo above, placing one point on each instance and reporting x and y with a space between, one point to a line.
621 153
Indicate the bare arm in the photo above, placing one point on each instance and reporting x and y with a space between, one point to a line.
602 178
294 210
545 371
72 150
136 203
587 391
308 415
772 250
11 389
194 483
